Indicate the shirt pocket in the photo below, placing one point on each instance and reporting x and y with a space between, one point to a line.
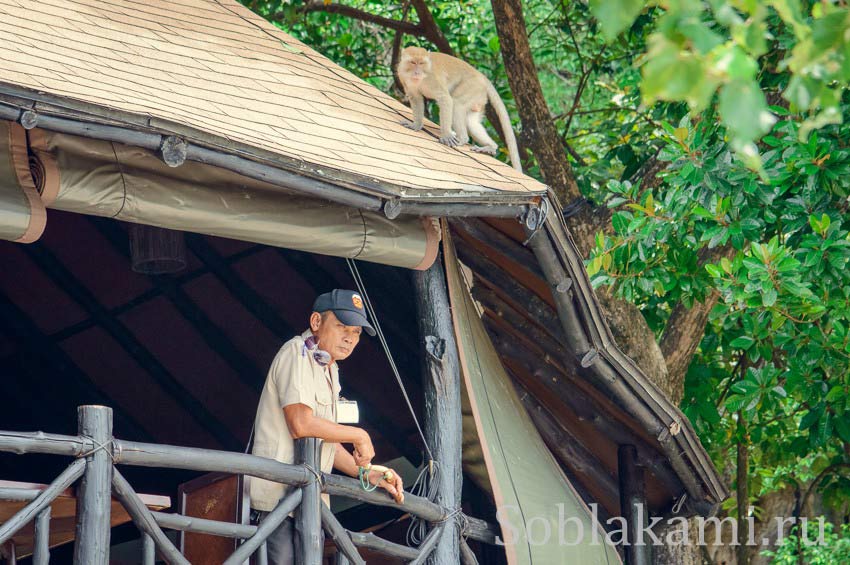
323 397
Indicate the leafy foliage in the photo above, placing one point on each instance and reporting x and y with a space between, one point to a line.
734 49
835 549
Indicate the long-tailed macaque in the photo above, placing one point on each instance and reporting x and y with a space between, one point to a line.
461 92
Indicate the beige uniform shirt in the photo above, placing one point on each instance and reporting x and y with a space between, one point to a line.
294 378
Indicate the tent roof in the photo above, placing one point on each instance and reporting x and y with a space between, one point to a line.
217 74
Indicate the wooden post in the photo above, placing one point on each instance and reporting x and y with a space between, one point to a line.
442 399
41 547
308 518
633 506
94 502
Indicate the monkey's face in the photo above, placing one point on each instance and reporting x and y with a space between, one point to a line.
415 64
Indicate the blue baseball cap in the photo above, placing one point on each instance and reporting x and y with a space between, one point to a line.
347 306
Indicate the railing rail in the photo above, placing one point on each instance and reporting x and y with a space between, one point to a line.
96 453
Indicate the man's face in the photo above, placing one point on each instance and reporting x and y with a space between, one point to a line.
333 336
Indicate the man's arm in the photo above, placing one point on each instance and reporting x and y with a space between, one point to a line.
303 423
345 463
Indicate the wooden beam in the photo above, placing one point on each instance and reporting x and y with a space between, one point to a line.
633 506
501 243
513 292
443 429
64 279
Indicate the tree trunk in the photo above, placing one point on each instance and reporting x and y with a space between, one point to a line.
537 124
742 492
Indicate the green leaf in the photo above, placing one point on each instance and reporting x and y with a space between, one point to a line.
744 110
768 299
615 15
743 342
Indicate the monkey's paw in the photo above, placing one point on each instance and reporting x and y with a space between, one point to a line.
410 125
486 149
450 140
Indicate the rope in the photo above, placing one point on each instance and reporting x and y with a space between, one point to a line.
319 478
99 447
361 287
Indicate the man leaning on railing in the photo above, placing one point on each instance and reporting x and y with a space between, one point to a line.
300 399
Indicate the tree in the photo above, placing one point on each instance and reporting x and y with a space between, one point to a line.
701 152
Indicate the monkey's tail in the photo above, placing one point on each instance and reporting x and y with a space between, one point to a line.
505 121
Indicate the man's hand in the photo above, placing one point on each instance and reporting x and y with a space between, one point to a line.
363 450
395 486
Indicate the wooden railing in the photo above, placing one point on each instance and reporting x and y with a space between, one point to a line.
96 454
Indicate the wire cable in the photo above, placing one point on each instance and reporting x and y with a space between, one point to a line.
361 287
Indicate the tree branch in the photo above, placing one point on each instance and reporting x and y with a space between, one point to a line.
831 469
534 113
430 30
348 11
686 326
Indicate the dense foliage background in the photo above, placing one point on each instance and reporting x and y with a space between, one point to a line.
714 133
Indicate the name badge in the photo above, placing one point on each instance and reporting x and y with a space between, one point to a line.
347 412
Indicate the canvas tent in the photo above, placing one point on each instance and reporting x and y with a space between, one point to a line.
201 117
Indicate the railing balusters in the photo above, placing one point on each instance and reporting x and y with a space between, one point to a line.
97 452
41 547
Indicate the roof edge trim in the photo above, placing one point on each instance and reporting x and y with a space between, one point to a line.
17 99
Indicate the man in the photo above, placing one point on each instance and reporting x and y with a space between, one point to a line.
300 399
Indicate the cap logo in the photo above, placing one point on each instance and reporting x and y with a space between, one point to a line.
358 302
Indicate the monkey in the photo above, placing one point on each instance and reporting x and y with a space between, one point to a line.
461 92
